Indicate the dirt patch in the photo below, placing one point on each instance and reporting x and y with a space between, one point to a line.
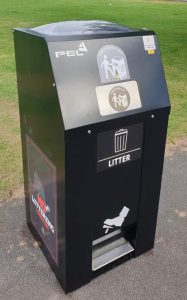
18 193
180 144
181 213
14 195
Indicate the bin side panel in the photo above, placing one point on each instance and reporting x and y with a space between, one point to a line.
152 167
41 121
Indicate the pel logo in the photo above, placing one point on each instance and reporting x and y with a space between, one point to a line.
78 52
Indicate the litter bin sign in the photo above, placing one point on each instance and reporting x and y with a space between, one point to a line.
94 110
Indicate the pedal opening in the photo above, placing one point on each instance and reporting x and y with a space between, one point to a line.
109 248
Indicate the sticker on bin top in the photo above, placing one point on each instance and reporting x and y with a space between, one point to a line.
112 64
120 97
119 146
149 44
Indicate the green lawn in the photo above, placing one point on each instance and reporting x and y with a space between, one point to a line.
167 18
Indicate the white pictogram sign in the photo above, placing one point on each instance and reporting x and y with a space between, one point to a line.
120 100
119 146
120 140
118 97
112 64
117 221
114 67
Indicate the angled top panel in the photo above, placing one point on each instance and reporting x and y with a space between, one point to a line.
102 70
105 79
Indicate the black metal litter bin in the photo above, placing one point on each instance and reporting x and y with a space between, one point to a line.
94 111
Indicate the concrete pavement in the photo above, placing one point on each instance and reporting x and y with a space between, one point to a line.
158 274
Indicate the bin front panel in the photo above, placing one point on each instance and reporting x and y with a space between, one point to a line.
117 178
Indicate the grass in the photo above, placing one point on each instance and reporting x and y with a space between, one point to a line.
167 18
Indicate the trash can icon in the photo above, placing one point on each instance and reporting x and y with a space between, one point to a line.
120 140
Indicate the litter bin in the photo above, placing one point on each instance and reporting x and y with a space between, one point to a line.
94 110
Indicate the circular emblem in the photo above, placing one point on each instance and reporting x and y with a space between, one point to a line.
119 98
112 64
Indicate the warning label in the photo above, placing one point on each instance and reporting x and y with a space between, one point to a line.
119 146
149 43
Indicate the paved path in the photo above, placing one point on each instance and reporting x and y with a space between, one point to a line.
158 274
